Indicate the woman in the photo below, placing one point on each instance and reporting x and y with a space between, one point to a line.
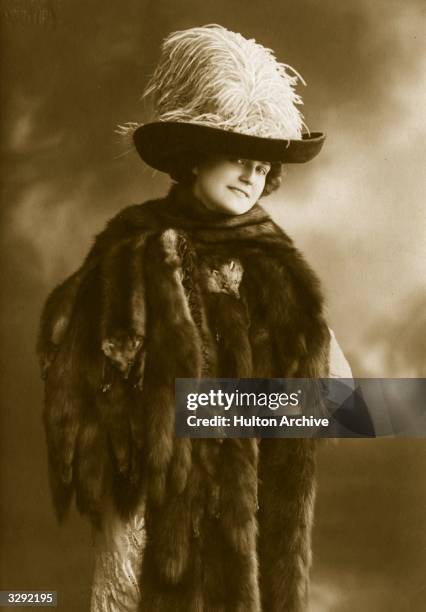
199 284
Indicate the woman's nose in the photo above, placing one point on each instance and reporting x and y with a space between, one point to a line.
247 173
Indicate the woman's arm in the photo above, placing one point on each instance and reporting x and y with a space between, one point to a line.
339 366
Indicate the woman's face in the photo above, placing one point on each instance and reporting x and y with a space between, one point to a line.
230 186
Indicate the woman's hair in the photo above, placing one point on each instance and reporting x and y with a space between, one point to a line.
182 172
273 179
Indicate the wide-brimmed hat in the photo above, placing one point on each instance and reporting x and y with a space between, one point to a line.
214 91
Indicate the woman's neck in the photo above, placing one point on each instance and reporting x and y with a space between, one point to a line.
186 206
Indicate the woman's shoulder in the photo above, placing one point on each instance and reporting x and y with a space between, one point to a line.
129 222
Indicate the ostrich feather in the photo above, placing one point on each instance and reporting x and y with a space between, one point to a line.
214 77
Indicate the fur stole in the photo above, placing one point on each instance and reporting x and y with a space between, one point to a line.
171 290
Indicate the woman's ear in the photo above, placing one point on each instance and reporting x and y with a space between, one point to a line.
195 170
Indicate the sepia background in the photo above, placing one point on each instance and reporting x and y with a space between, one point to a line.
71 71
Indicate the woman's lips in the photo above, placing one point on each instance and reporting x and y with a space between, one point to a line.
240 192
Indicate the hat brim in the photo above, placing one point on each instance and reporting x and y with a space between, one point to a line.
159 144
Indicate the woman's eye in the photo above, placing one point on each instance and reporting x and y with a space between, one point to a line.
263 170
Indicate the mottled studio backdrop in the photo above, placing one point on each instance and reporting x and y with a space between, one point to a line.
72 70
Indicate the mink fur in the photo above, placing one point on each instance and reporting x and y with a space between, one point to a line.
165 294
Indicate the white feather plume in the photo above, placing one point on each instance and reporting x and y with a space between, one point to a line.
211 76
